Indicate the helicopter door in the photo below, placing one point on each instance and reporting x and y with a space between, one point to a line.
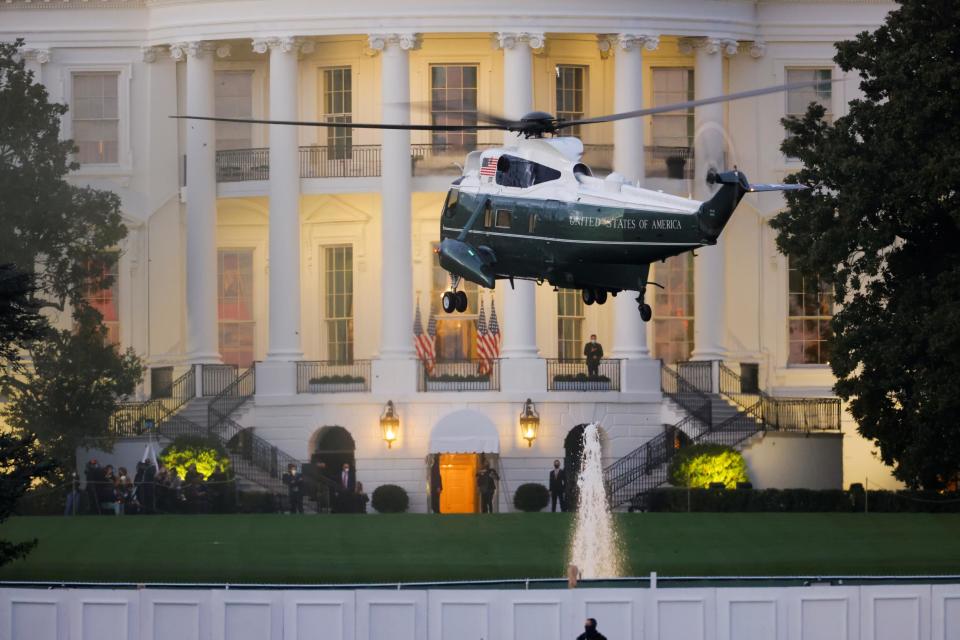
548 226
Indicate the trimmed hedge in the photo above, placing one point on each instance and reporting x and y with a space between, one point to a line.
800 500
531 497
389 498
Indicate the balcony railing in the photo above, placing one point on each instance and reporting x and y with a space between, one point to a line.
575 375
364 161
217 377
328 376
460 375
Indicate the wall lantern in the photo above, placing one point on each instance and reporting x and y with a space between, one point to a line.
529 422
389 424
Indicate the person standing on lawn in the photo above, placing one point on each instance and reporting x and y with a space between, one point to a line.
436 484
593 352
558 487
294 482
487 484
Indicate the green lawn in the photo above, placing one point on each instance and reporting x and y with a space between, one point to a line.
374 548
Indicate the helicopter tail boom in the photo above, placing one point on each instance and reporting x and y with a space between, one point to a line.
716 212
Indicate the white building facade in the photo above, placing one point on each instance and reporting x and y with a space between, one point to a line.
306 252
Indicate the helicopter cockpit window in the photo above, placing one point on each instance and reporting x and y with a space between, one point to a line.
450 207
517 172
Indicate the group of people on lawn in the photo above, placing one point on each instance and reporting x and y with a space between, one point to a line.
333 493
152 489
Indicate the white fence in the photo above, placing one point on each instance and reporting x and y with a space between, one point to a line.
900 612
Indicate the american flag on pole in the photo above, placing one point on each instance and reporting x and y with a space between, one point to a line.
494 330
423 342
489 166
483 347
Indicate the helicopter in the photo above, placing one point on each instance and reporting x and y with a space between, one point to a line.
532 210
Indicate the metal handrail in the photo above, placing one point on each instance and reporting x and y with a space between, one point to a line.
781 414
687 395
476 374
572 374
332 376
233 395
130 417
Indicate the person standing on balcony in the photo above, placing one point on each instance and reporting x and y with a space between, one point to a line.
558 487
593 352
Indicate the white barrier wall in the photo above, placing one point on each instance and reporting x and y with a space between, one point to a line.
900 612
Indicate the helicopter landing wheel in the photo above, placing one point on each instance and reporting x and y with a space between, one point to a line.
461 301
588 297
449 301
645 312
601 296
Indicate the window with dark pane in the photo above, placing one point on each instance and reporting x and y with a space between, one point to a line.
338 107
675 128
673 309
799 99
338 302
106 299
235 305
453 101
96 117
809 312
571 86
569 324
457 334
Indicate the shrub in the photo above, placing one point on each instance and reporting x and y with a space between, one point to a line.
700 465
389 498
799 500
531 497
206 453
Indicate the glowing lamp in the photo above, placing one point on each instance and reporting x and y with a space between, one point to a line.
529 422
389 424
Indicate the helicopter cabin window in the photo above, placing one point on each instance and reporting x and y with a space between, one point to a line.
455 336
503 218
810 309
571 79
453 101
517 172
338 107
487 216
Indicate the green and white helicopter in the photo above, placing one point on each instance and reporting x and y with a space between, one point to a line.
532 210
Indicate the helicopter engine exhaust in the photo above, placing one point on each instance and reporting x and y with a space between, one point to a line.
456 256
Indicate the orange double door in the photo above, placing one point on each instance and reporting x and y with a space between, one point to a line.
458 472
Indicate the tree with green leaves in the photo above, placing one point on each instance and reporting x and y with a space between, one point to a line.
21 463
65 239
882 224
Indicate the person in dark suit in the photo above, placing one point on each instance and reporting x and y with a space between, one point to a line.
558 487
487 484
347 481
590 631
294 482
593 352
436 484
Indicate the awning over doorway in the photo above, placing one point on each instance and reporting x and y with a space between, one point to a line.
464 431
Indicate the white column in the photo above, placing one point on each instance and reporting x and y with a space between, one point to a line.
284 327
519 318
629 330
709 144
396 284
202 340
34 59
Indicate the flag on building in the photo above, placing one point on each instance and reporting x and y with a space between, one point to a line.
423 341
494 330
483 348
432 334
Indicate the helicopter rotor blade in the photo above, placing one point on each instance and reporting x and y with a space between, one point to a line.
689 104
354 125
